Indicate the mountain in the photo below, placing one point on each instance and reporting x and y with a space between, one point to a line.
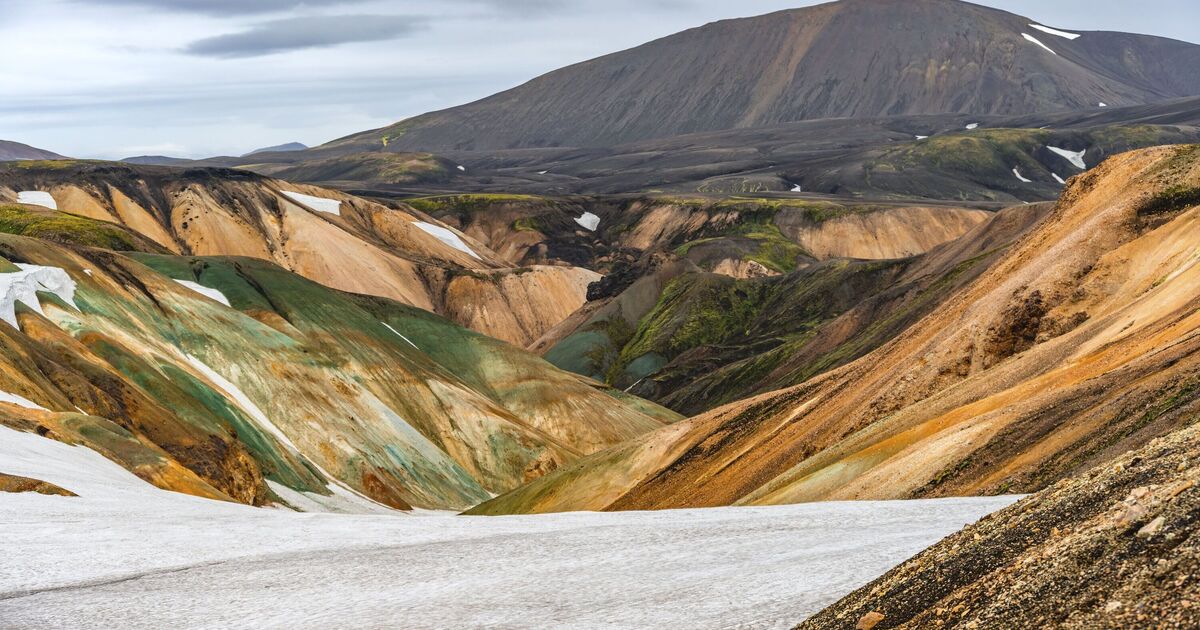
279 148
339 240
854 58
234 379
12 151
1076 345
157 160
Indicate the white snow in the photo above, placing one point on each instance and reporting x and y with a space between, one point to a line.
1074 157
589 221
320 204
1059 179
22 286
20 401
922 137
797 188
212 294
1054 31
1103 104
1020 176
542 172
973 126
37 198
87 271
126 554
462 168
446 236
1033 39
399 334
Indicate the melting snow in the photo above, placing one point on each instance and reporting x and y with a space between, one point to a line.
1054 31
22 286
1021 177
401 335
159 553
19 401
1074 157
589 221
973 126
1059 179
320 204
446 236
1035 40
205 291
37 198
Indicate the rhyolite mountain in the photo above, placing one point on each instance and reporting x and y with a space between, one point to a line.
854 58
10 151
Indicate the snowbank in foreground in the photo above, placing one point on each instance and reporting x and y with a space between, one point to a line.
213 564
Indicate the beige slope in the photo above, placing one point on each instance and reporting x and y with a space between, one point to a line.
879 235
1080 343
368 248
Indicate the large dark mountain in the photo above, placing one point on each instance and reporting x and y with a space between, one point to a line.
854 58
12 151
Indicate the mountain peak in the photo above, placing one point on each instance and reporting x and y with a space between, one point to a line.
854 58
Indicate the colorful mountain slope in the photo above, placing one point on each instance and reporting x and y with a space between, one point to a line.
1077 345
296 391
341 241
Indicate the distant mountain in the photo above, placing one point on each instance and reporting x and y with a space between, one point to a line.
280 148
12 151
156 160
854 58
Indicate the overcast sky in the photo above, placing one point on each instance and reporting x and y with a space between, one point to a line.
195 78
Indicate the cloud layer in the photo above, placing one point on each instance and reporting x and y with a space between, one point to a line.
276 36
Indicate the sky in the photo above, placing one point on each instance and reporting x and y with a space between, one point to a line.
195 78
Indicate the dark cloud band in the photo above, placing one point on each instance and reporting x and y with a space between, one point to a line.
276 36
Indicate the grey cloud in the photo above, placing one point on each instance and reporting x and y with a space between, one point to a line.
220 7
276 36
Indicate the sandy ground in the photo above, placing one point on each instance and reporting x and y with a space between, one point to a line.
126 555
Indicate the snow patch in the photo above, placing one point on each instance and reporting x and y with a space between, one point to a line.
797 188
446 236
1059 179
212 294
22 286
922 137
1103 104
1020 176
399 334
37 198
320 204
1054 31
542 172
20 401
973 126
1033 39
589 221
803 558
461 168
87 271
1074 157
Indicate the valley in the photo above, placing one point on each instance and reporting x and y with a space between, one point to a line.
865 314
